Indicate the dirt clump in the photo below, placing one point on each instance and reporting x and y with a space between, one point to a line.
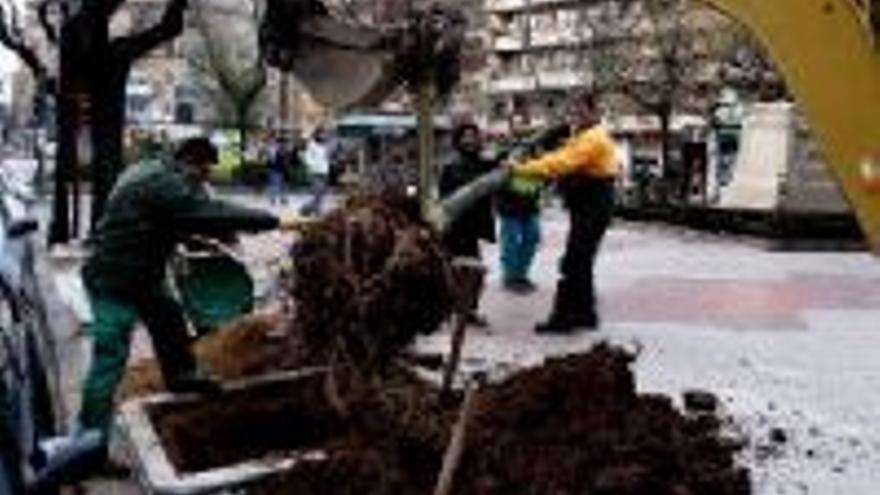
577 425
574 425
252 346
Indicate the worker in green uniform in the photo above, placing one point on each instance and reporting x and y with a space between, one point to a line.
153 207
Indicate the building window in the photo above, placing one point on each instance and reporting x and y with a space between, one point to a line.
137 106
499 110
184 113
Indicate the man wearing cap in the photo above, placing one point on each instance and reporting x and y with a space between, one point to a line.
153 207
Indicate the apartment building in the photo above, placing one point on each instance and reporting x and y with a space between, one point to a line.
540 51
533 58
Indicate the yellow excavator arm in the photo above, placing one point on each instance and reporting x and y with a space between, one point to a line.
829 55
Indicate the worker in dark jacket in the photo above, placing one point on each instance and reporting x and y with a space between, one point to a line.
152 208
586 168
477 223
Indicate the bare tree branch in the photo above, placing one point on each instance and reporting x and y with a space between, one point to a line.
647 51
50 31
169 26
229 75
746 67
12 37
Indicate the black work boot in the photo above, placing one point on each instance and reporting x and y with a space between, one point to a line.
565 325
194 382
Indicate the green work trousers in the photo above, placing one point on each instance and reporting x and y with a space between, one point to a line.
114 318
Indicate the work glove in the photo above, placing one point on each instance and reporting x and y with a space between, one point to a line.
436 217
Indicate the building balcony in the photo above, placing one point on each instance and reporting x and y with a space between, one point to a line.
502 6
540 39
556 37
512 83
561 79
508 43
505 5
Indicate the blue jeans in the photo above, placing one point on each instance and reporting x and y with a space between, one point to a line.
520 236
276 186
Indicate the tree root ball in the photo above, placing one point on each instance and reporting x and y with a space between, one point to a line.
368 278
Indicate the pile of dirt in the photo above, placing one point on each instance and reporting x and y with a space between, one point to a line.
577 425
574 425
251 346
367 279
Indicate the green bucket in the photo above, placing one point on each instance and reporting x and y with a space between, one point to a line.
214 289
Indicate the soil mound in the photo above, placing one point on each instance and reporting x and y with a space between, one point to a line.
252 346
574 425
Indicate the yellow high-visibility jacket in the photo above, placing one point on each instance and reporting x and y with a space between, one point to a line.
591 152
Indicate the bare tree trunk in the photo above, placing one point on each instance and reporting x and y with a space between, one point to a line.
425 117
65 163
69 87
668 174
41 101
92 76
242 137
284 101
108 123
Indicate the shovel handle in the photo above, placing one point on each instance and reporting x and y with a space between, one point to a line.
455 450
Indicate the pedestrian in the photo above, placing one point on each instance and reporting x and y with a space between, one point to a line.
316 157
276 169
153 207
518 206
463 236
586 167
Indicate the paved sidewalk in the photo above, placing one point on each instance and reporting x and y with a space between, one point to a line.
788 340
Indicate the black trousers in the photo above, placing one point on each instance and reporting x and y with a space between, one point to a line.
590 204
166 324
